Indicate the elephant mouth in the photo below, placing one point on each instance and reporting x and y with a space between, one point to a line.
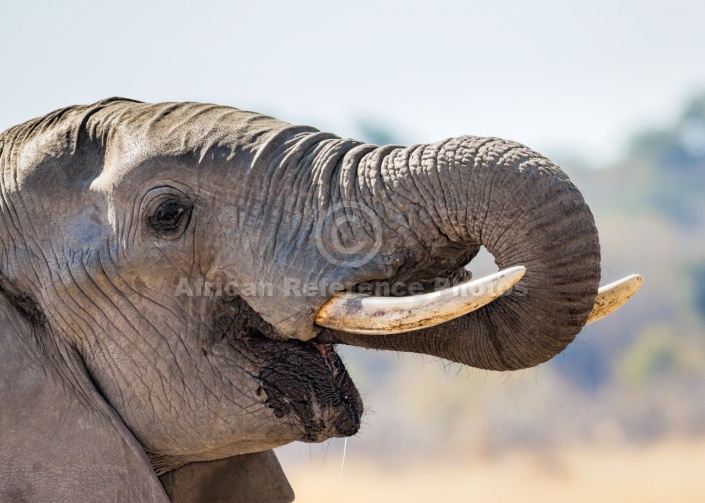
327 351
303 383
309 385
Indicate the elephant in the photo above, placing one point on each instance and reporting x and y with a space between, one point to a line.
176 278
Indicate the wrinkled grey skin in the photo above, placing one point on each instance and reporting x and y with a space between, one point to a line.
108 379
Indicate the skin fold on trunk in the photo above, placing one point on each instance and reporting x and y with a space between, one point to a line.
467 192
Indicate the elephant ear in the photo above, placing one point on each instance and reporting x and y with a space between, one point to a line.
59 439
249 478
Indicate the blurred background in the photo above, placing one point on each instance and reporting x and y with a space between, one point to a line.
613 91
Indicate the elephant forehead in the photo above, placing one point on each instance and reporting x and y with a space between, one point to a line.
53 158
145 141
175 129
71 145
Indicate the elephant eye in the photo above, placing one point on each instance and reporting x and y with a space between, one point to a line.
170 217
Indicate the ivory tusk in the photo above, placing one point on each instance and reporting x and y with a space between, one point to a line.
369 315
613 296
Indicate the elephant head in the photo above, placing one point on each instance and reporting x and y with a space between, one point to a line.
163 268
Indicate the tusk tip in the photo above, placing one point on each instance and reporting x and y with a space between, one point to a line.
613 296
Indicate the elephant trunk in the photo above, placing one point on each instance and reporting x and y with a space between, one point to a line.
443 201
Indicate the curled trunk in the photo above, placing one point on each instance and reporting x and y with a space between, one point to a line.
458 195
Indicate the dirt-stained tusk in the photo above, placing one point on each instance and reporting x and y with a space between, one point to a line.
613 296
368 315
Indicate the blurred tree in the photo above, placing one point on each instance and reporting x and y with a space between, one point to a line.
584 365
698 278
673 162
655 354
377 133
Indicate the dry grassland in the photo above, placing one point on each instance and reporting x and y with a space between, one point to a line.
661 473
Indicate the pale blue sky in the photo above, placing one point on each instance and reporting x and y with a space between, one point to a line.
556 75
